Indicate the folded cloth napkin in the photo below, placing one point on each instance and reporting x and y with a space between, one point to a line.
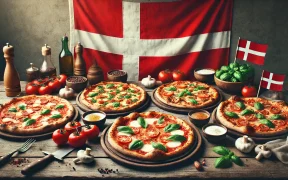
279 148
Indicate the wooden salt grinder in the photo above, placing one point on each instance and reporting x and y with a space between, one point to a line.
11 76
79 64
95 74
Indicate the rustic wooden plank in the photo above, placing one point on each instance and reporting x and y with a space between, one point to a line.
68 170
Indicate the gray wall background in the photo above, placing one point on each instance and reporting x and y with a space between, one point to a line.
29 24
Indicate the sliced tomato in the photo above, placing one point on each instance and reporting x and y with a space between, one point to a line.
152 132
100 101
136 130
113 93
203 95
160 125
264 112
128 101
182 85
163 138
125 86
262 128
124 139
250 117
241 122
143 137
275 110
279 122
233 107
168 93
251 102
267 105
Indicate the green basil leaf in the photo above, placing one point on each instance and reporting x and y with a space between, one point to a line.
236 160
221 150
222 162
187 92
241 105
267 123
231 114
246 112
260 116
29 122
130 90
60 106
172 88
12 110
159 146
193 101
276 117
258 106
105 103
176 137
134 100
116 104
100 87
161 120
181 94
142 122
117 91
125 129
93 100
171 127
26 119
127 96
110 86
198 88
191 85
56 116
45 111
22 107
137 144
101 91
92 94
110 96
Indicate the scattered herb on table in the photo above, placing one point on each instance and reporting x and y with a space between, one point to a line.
225 161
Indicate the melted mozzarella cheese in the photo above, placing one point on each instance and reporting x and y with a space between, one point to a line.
29 111
147 148
150 120
134 124
173 144
123 134
45 119
35 116
178 132
45 123
10 120
89 98
36 105
55 112
37 101
50 104
18 114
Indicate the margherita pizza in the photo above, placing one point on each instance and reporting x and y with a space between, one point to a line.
254 116
187 94
150 136
113 96
32 114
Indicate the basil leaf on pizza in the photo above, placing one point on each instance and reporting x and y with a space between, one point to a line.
116 104
221 150
22 107
231 114
172 88
110 96
92 94
60 106
267 123
137 144
241 105
159 146
127 96
142 122
258 106
26 119
276 117
260 116
181 94
110 86
12 110
117 91
134 100
171 127
125 129
176 137
246 112
45 111
160 120
29 122
193 101
56 116
93 100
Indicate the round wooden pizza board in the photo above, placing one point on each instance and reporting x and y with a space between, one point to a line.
236 134
36 136
139 109
132 162
166 107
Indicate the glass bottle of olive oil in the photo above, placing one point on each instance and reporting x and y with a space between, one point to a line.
65 58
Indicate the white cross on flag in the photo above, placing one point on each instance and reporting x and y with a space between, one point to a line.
251 51
146 36
272 81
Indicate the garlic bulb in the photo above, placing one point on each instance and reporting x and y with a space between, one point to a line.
66 92
244 144
84 156
148 82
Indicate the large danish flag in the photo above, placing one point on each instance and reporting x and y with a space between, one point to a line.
272 81
146 37
251 51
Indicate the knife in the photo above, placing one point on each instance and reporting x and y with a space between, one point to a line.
41 163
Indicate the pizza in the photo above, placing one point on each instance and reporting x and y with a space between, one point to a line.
29 115
150 136
254 116
113 96
187 94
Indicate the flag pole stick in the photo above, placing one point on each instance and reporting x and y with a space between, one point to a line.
236 49
260 83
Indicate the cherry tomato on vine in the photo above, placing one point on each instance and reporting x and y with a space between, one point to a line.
249 91
70 127
165 76
45 90
91 131
77 139
31 89
60 136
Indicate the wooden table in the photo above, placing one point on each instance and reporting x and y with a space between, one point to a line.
266 169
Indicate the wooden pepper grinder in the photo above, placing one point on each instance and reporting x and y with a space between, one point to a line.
11 76
95 74
79 64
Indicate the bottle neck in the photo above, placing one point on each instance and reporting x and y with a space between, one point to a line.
65 47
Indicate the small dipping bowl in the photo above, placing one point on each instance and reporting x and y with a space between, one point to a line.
117 75
199 117
77 83
97 118
204 74
214 132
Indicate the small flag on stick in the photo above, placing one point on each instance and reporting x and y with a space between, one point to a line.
251 51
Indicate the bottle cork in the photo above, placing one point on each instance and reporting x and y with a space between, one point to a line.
46 50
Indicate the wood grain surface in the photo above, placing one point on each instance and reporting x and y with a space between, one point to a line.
266 169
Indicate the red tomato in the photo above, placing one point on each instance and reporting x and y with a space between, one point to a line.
165 76
60 136
163 137
124 139
249 91
178 75
136 130
164 124
152 132
55 85
275 110
62 79
77 139
45 90
91 131
168 93
70 127
31 89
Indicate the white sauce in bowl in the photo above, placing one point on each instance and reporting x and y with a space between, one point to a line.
205 71
215 130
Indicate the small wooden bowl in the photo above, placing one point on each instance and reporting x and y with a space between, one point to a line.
214 138
199 122
77 86
208 78
230 87
100 123
120 75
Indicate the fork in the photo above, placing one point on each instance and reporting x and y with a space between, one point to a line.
22 149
